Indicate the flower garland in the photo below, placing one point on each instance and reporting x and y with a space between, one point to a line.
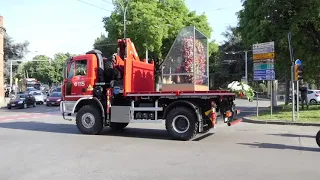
242 90
190 58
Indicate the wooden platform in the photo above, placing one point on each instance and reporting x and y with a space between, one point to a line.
184 87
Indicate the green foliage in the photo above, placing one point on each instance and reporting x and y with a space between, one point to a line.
45 69
152 25
223 71
105 45
266 20
12 51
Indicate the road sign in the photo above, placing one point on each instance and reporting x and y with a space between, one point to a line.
263 56
263 61
263 66
298 62
263 45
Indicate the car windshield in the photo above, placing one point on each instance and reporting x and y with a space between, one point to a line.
58 89
36 93
55 95
19 96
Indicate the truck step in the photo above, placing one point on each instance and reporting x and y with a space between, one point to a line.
146 109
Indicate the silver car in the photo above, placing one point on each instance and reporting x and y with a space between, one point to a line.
39 96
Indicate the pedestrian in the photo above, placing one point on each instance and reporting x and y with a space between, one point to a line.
304 94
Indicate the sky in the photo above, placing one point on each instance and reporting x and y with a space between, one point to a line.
52 26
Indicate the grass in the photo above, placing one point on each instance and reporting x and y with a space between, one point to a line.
284 113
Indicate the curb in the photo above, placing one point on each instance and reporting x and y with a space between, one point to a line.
248 120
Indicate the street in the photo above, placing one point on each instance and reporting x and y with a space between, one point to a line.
36 143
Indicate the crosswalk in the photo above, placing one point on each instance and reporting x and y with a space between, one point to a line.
26 116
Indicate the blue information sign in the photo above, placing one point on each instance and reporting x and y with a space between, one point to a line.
267 74
298 62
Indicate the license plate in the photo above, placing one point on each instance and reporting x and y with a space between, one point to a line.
13 105
52 103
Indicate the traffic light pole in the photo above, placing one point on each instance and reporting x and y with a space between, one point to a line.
298 99
292 91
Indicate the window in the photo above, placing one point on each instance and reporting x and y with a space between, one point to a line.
71 71
56 95
81 68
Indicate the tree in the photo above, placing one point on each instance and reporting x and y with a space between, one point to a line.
105 45
152 25
228 66
59 64
12 51
40 68
266 20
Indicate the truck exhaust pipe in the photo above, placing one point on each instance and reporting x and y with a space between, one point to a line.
234 122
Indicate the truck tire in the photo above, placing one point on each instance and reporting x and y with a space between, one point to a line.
118 126
318 138
89 120
182 124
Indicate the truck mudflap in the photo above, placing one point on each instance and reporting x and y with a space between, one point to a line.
235 121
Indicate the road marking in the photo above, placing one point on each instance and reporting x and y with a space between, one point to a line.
27 116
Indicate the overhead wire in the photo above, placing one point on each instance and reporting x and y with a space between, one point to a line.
95 5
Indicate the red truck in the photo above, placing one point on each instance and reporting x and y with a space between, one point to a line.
120 90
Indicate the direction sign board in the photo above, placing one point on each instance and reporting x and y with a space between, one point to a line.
263 56
263 61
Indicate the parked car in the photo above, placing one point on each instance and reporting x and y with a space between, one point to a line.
22 101
54 99
314 96
39 96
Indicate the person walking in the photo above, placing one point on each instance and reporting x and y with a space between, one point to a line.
304 94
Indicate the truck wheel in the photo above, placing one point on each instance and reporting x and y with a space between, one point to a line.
118 126
318 138
182 124
89 120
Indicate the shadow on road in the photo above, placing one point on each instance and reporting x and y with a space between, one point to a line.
293 135
159 134
280 146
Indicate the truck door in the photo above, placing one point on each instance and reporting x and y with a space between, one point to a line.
80 80
68 80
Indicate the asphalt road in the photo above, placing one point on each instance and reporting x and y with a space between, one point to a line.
37 144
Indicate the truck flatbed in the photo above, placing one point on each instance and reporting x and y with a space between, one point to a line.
183 93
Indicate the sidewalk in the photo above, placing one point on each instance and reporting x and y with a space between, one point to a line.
4 102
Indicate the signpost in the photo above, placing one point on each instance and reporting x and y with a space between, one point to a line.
263 64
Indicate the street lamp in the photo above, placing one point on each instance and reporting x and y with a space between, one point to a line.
124 9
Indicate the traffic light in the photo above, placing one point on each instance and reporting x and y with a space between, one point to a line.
298 72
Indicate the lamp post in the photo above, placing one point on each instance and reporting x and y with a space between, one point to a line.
124 9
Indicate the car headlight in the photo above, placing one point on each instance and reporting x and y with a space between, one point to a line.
20 102
59 100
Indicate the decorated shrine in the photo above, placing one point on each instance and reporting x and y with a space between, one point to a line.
186 65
